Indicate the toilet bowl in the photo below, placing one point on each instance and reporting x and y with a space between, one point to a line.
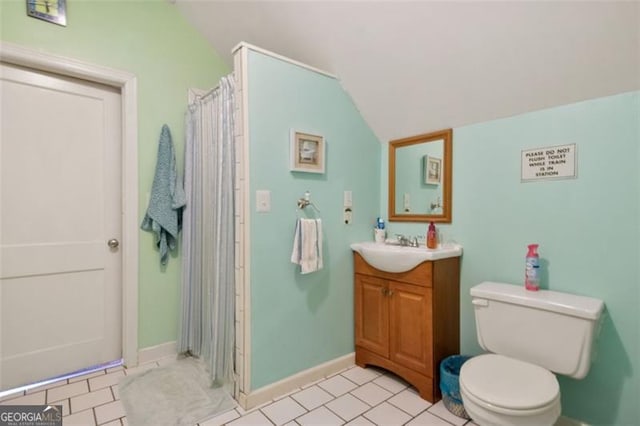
498 390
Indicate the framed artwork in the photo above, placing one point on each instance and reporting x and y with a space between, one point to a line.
307 153
432 170
54 11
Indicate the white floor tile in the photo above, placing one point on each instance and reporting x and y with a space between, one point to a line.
348 396
388 415
312 397
115 391
87 376
347 406
67 391
427 419
360 375
409 402
441 411
65 406
105 380
83 418
337 385
393 384
30 399
360 421
253 418
321 417
280 412
91 399
107 412
372 394
221 419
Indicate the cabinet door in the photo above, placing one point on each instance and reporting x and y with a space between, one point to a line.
411 330
372 314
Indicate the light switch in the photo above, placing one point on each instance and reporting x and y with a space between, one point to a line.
263 201
348 200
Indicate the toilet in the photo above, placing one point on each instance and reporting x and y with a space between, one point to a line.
530 335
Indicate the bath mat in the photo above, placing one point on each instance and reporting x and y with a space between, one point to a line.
178 393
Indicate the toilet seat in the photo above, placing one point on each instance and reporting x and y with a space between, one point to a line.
509 383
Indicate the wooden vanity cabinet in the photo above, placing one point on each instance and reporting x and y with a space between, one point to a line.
408 322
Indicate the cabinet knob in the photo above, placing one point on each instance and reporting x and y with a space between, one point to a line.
389 292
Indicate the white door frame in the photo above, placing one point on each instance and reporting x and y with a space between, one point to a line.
127 84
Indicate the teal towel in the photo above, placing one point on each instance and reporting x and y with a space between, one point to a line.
164 214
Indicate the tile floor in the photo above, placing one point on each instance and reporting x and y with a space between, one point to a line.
355 396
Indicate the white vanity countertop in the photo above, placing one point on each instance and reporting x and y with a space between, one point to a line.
395 258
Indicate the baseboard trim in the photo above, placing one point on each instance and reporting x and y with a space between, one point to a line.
154 353
291 383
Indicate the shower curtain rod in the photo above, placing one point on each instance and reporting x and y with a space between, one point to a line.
195 95
208 92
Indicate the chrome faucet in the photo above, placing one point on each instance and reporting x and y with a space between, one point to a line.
407 241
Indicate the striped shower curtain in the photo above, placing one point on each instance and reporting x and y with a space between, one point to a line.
208 291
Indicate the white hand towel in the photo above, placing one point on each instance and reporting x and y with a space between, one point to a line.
307 245
295 253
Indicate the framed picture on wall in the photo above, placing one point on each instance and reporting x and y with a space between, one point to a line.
432 170
307 152
54 11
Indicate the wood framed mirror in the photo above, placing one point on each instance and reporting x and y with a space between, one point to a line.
420 170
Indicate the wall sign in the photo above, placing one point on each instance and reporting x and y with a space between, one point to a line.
552 162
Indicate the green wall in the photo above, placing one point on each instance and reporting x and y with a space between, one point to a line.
587 229
152 40
300 321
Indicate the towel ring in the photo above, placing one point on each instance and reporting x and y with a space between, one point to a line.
305 202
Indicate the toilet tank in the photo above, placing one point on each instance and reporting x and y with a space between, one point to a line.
551 329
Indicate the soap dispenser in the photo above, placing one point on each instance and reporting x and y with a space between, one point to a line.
432 236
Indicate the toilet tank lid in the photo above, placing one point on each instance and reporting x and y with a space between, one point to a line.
569 304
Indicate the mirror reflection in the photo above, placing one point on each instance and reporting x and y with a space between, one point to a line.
420 178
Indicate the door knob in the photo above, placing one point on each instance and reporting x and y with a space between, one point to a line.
113 243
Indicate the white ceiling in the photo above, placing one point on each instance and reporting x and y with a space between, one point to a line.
415 67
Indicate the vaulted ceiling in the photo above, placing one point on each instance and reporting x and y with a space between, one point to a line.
419 66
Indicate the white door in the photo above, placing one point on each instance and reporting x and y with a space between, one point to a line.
60 204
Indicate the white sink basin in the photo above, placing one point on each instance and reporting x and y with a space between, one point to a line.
394 258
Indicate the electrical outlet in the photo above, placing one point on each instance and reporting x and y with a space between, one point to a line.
347 216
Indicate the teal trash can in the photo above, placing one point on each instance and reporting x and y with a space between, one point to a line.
450 384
